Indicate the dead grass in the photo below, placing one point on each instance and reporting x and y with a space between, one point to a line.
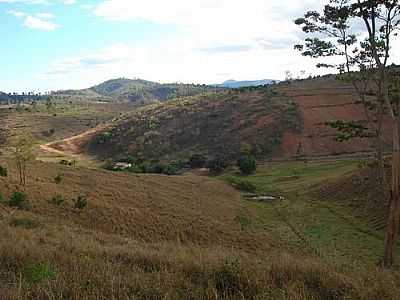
157 237
97 266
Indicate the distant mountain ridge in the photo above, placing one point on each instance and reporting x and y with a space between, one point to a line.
139 90
233 84
143 91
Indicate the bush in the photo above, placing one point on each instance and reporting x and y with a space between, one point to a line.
242 185
3 171
19 200
58 179
217 165
68 163
57 200
158 168
35 273
247 164
171 170
80 202
197 161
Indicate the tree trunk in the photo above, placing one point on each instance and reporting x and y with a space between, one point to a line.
394 205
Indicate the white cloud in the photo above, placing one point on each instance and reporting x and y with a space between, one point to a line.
18 14
218 25
40 21
41 24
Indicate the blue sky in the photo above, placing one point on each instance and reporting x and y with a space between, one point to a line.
62 44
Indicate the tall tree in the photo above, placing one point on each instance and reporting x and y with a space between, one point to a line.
361 33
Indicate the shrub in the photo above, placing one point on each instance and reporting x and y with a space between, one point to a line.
217 165
80 202
197 161
171 170
3 171
247 164
19 200
174 168
67 163
35 273
242 185
158 168
57 200
58 179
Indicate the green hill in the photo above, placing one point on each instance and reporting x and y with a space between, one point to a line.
139 91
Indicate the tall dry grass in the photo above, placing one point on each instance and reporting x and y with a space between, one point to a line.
88 265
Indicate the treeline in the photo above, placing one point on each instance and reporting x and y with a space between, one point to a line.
13 98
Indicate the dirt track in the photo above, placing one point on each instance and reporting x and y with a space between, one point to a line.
72 146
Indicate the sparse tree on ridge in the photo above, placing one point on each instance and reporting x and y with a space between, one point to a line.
362 33
23 153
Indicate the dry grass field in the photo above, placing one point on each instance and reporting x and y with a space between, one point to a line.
160 237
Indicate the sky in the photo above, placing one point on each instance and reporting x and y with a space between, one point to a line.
71 44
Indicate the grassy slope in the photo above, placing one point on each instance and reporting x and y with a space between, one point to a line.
159 237
325 226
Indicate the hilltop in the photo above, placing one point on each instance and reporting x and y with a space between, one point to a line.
139 91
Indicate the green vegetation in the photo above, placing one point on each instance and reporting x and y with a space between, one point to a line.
36 273
247 164
242 184
19 200
81 202
197 161
327 227
3 171
217 165
139 91
57 200
295 177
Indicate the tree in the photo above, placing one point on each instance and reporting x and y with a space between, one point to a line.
23 153
361 32
197 161
247 164
217 165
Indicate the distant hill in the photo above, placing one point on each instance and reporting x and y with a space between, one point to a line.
233 84
139 90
